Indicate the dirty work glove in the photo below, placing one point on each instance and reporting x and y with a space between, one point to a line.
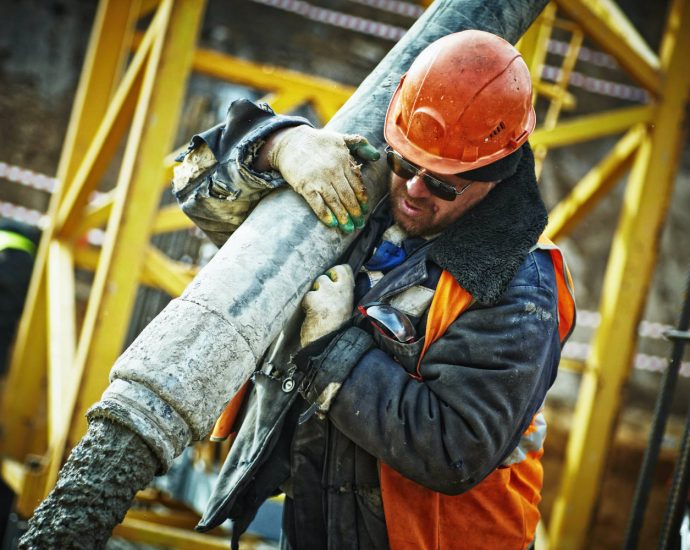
318 165
329 304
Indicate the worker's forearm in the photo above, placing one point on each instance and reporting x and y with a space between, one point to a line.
94 490
261 162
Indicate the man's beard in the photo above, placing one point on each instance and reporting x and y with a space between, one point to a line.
424 224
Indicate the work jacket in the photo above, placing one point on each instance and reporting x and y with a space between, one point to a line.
418 451
17 250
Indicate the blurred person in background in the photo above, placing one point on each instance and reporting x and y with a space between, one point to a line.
18 243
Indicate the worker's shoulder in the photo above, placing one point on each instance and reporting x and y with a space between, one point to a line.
536 271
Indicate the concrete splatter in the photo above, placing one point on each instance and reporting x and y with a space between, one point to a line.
94 491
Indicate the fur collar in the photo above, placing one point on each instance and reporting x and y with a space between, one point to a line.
484 249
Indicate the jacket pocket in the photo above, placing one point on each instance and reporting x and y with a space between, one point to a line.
405 354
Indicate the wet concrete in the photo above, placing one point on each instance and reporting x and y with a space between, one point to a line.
94 491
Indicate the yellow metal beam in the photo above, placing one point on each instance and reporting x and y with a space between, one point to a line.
628 275
268 77
32 491
569 61
146 7
86 257
136 199
594 186
166 274
672 33
158 271
171 218
105 143
589 127
554 93
555 105
54 259
284 101
61 331
605 23
163 514
288 88
171 537
327 106
96 214
108 47
533 44
14 474
62 347
572 365
23 426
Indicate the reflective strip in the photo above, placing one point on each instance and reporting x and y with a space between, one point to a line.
414 301
8 239
532 440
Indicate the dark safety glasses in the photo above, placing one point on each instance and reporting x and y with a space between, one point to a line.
406 170
389 321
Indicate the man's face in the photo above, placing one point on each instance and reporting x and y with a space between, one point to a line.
422 214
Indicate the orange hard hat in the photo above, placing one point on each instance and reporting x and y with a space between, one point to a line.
465 102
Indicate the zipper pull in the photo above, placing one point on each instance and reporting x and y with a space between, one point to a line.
288 384
306 415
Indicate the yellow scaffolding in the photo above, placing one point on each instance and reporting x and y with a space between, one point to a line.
131 91
653 149
60 366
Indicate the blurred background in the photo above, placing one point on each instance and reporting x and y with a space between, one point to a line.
619 191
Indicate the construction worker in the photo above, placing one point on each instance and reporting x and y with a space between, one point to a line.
427 352
412 419
18 242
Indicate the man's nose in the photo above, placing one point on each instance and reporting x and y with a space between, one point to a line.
416 187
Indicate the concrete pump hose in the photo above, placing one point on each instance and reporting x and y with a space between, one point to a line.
175 379
94 491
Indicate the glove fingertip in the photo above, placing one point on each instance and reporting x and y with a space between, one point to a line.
348 227
360 146
368 152
329 220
